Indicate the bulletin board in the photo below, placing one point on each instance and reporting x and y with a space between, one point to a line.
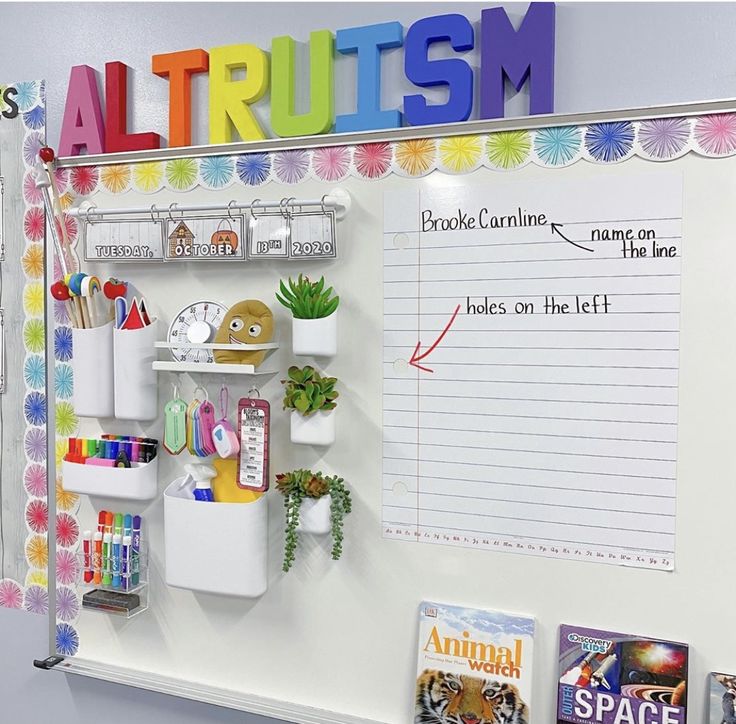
601 496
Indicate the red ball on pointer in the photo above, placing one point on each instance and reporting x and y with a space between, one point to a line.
46 154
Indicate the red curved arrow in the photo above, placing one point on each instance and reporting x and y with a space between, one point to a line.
416 358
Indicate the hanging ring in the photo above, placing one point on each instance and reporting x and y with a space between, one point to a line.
252 207
229 213
322 204
87 212
172 206
202 389
253 393
153 217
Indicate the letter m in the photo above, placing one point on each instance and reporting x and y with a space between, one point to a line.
526 54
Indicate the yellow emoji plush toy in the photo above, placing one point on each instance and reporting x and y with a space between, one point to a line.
247 322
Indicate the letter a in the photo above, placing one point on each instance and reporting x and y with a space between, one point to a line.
82 126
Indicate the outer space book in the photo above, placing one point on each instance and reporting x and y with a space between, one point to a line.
722 698
614 678
474 666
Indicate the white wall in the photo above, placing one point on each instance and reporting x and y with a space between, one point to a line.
609 55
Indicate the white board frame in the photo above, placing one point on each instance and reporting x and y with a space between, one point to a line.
294 711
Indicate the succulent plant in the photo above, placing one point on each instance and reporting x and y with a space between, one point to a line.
308 300
297 485
307 391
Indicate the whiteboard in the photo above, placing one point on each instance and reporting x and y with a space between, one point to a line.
341 636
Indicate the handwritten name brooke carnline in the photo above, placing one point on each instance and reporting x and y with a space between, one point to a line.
482 219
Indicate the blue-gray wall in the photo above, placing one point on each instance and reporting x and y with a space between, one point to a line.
609 55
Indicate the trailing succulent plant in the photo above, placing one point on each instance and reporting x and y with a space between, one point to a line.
300 484
307 391
308 300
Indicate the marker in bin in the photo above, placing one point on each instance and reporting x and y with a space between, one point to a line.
111 451
112 555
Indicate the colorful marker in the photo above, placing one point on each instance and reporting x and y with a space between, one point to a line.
106 562
136 557
126 561
116 540
87 546
97 559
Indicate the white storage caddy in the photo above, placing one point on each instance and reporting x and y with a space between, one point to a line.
215 547
138 482
92 367
136 383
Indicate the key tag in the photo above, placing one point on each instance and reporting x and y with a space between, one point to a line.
200 449
254 416
191 424
224 437
175 424
206 414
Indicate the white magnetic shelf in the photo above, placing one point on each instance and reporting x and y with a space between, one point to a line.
214 368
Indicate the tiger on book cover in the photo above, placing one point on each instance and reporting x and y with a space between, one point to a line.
444 698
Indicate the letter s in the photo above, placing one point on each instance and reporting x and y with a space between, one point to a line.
454 73
583 708
13 112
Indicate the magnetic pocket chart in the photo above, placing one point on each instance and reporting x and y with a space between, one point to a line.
531 345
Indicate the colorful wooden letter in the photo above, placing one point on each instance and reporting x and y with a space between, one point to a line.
454 73
117 137
179 68
82 126
229 99
367 42
518 56
321 114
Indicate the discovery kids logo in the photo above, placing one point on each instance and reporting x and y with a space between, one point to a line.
590 644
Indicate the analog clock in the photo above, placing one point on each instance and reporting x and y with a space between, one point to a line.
195 324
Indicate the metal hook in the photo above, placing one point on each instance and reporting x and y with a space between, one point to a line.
171 206
322 203
153 218
252 207
229 204
87 212
175 385
202 389
253 393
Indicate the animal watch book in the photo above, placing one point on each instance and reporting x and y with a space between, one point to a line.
474 667
614 678
722 699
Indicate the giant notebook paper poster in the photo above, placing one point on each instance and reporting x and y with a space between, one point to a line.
531 345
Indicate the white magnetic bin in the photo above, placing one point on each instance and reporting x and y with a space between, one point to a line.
215 547
138 482
92 366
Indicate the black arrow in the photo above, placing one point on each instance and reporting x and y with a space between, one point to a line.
556 230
